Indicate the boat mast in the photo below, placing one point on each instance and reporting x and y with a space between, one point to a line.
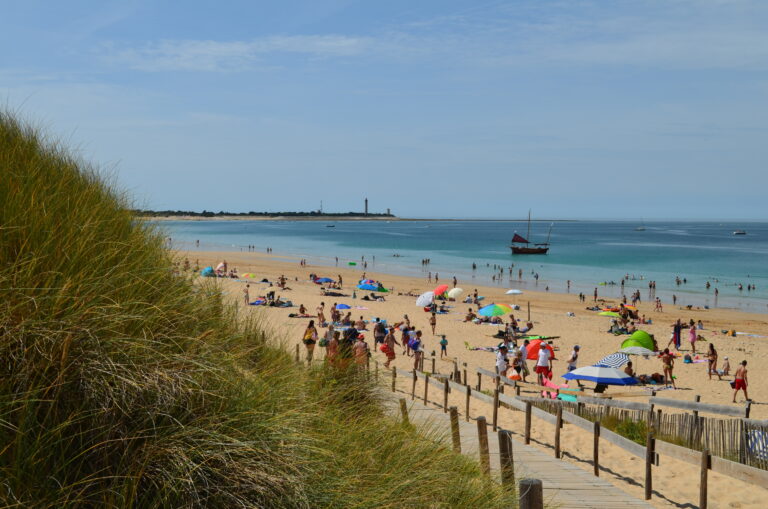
529 226
550 232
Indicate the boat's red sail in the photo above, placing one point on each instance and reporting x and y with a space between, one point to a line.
518 238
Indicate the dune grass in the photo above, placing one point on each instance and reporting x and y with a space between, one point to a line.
123 385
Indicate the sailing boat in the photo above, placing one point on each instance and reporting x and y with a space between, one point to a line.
641 228
536 249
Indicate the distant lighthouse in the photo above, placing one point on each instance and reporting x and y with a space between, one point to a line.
366 206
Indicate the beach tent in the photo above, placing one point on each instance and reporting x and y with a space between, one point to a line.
601 375
494 310
533 349
425 299
323 280
208 272
454 293
514 292
615 360
367 282
372 288
639 338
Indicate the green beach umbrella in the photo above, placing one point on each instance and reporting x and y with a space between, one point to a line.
609 313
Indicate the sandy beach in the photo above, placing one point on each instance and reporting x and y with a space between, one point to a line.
677 482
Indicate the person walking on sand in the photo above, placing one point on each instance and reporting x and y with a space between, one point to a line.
360 351
309 339
433 322
572 360
417 349
543 364
332 349
692 338
246 294
454 281
388 348
712 362
740 382
668 361
321 314
443 346
502 364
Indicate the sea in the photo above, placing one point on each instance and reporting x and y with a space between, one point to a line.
681 257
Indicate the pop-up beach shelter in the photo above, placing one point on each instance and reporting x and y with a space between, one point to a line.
638 338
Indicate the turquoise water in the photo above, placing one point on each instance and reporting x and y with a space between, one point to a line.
585 252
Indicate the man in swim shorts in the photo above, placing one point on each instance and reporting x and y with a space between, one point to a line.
740 383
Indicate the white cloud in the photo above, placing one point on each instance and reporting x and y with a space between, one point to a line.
190 55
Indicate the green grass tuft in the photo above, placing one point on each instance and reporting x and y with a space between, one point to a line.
123 385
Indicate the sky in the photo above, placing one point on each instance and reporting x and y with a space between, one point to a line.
435 108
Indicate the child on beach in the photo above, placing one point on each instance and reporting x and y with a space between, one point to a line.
443 346
433 322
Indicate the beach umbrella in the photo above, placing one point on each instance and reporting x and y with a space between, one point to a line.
323 280
342 306
249 275
639 338
455 292
207 272
425 299
637 350
220 266
372 288
601 375
534 347
615 360
494 310
514 292
440 290
367 282
609 313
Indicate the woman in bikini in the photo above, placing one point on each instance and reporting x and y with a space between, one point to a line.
712 360
669 363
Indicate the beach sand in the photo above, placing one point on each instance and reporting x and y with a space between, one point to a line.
676 482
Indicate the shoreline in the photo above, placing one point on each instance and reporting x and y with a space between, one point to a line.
341 218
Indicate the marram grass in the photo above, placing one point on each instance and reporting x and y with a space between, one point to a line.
122 385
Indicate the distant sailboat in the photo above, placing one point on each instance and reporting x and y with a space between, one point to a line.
542 248
641 228
739 232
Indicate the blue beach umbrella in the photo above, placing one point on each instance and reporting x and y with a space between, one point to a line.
207 272
323 280
372 288
601 375
342 306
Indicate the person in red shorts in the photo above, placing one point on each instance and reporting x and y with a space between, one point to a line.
740 383
543 364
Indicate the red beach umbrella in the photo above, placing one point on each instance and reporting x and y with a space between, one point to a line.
440 290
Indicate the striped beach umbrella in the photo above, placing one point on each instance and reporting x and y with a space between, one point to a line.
615 360
494 310
601 375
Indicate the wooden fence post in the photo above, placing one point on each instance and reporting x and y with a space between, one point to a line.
404 411
693 429
433 364
413 386
479 380
506 458
445 395
482 435
558 425
742 442
527 422
531 494
495 409
517 390
469 395
455 430
703 481
465 372
649 447
426 387
596 448
394 378
297 353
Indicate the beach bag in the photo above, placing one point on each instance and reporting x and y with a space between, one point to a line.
687 359
414 344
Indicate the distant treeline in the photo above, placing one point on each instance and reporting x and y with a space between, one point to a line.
207 213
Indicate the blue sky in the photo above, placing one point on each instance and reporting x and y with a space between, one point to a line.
577 109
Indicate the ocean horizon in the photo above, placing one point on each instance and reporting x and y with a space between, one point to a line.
591 254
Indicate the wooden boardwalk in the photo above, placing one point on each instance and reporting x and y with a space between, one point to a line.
566 486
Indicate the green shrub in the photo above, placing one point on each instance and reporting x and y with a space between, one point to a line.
122 385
